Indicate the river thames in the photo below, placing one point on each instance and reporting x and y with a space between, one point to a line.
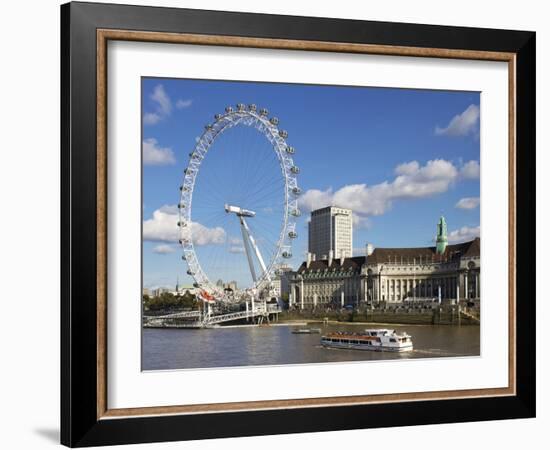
166 349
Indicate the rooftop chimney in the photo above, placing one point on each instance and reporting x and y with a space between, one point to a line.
370 249
342 257
308 262
330 257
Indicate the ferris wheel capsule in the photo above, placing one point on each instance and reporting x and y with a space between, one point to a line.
292 234
190 272
208 127
290 150
229 109
283 134
274 121
296 190
264 112
240 107
287 254
296 212
252 107
217 116
295 169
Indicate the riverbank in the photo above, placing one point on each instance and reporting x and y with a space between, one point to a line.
439 316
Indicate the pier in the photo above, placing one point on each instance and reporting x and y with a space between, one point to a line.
259 314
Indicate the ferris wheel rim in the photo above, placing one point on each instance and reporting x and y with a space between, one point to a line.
258 119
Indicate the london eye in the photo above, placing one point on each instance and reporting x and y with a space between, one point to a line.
238 204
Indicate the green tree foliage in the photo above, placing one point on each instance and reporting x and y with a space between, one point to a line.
167 301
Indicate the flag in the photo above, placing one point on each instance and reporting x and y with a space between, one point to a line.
206 297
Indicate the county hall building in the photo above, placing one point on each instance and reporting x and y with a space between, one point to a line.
385 275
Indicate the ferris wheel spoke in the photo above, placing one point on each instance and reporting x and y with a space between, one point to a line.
272 184
264 197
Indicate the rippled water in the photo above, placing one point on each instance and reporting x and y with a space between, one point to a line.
276 345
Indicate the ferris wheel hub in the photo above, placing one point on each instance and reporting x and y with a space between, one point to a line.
241 212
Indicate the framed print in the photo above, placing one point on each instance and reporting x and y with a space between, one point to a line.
277 224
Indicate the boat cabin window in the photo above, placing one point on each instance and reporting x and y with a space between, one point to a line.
392 340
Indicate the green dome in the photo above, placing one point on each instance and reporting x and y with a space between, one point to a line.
441 239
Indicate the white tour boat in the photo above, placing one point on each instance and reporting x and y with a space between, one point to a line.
370 339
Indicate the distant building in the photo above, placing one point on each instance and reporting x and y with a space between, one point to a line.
159 291
331 231
182 290
232 285
146 292
391 275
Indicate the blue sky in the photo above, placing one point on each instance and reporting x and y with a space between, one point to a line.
398 157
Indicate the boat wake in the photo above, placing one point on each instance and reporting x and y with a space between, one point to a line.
436 352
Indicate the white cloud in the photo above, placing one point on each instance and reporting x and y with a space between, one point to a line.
468 203
163 106
407 168
182 104
163 249
360 222
161 98
153 155
463 124
315 199
163 227
463 234
151 118
202 235
236 249
470 170
412 181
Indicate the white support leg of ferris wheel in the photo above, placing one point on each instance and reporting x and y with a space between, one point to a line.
246 231
247 250
248 240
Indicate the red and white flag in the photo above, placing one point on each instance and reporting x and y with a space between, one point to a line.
206 297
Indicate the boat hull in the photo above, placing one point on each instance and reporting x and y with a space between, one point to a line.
368 348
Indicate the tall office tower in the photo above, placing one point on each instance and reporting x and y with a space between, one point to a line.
331 228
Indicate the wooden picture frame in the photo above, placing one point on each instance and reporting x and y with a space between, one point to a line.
85 416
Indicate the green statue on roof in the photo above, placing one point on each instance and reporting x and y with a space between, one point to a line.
441 240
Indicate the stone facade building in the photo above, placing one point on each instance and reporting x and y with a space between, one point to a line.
281 282
391 276
420 274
